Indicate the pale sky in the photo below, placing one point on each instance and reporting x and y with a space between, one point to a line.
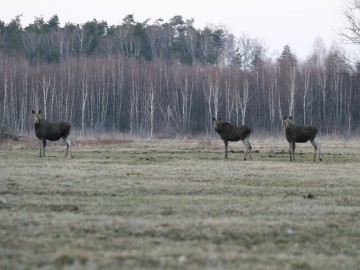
275 22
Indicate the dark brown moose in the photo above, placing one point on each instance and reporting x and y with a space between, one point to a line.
230 133
300 134
45 130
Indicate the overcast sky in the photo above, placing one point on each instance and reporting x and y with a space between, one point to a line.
276 22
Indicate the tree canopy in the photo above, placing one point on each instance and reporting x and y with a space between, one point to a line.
176 40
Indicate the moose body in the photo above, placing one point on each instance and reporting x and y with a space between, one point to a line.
45 130
300 134
230 133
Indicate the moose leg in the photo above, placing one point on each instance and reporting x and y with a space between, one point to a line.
226 149
319 148
68 145
293 150
247 144
40 148
43 148
316 146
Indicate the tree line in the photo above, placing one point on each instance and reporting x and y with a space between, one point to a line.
46 41
167 78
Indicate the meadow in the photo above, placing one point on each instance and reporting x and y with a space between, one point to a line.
125 203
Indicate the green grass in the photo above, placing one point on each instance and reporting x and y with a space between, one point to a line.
163 204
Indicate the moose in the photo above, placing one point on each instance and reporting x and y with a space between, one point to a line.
45 130
300 134
230 133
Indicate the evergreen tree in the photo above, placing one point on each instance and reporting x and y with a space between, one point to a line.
12 34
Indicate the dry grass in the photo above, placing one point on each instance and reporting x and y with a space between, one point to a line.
175 204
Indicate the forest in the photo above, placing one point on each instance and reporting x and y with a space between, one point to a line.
167 78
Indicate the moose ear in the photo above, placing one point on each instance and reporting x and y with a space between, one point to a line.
213 118
33 112
290 117
284 118
39 112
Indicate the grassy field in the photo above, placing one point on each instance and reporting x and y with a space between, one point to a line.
177 204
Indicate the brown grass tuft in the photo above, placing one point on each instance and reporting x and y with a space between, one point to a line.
104 140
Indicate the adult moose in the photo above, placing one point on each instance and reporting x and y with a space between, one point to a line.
300 134
45 130
230 133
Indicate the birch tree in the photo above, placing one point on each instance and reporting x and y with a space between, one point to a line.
306 72
350 33
242 99
291 90
84 95
134 99
272 95
5 98
150 108
23 114
47 87
212 96
229 95
186 92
